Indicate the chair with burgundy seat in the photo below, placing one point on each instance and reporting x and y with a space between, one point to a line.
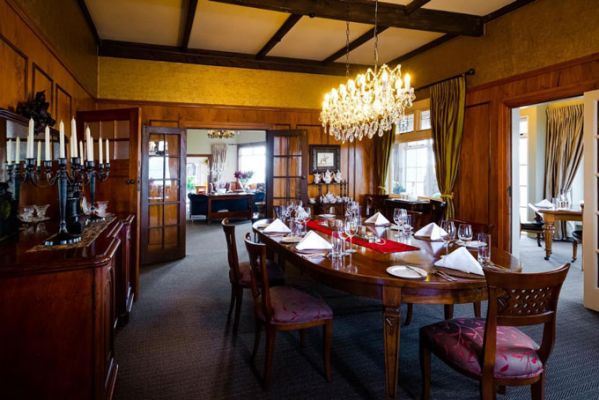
495 352
240 274
284 308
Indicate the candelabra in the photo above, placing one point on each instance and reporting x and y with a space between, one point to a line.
92 174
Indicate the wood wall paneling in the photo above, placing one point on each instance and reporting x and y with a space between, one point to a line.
13 74
63 110
42 81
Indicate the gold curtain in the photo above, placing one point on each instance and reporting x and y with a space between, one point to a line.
563 152
382 158
448 100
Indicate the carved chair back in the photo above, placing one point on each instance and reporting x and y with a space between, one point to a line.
259 284
519 299
234 274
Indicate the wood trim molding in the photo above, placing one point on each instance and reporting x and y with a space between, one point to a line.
57 90
437 42
47 43
26 61
89 20
35 68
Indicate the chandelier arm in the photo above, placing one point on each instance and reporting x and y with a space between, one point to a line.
376 35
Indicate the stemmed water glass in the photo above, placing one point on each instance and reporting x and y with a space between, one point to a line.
351 229
449 235
399 217
407 225
465 233
484 250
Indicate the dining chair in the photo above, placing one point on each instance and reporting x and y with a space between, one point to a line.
240 274
284 308
494 351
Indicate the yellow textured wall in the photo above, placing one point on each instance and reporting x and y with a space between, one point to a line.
126 79
539 34
63 24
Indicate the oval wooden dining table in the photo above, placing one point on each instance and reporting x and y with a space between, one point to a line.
364 274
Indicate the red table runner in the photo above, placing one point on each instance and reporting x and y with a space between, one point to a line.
390 246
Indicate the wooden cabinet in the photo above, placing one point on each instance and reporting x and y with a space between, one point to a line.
58 310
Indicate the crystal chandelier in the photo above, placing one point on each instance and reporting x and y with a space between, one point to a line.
221 134
368 104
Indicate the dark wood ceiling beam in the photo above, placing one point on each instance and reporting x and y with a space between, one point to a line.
415 5
506 9
422 49
190 14
353 45
362 11
110 48
89 20
278 36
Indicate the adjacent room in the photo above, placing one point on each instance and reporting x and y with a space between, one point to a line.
273 199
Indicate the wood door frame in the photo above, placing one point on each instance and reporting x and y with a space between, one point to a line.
161 130
269 164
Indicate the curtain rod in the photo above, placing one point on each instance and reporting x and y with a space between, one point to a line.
470 71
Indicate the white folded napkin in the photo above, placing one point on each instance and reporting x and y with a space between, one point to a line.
378 219
461 260
431 231
277 226
313 241
544 204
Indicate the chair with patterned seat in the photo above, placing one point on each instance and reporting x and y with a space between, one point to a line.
494 351
240 274
284 308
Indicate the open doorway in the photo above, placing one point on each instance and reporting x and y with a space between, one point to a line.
225 174
548 182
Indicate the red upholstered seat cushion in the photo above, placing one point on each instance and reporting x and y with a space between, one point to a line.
460 343
275 274
292 306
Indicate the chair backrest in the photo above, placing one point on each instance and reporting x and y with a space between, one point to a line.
259 277
374 203
477 227
232 255
519 299
417 219
437 210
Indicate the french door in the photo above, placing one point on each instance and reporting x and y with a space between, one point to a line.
163 194
286 167
590 244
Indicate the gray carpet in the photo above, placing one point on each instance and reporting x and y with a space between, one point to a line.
178 345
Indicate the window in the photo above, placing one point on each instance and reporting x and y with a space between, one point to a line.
523 171
413 168
405 124
425 119
252 157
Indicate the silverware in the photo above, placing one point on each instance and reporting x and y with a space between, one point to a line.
416 271
445 276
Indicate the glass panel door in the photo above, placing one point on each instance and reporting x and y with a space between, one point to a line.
163 194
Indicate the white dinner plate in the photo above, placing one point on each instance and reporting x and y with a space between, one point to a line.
291 239
262 224
326 216
405 272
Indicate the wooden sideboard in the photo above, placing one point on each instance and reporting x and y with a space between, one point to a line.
59 309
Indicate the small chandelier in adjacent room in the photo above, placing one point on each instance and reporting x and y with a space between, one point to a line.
369 104
222 134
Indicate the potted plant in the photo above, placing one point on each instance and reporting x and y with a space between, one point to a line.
243 177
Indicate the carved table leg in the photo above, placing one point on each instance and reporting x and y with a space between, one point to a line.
391 328
548 229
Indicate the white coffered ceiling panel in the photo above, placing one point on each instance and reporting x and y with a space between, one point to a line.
141 21
393 43
237 29
475 7
316 38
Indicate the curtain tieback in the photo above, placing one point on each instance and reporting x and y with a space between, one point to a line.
447 196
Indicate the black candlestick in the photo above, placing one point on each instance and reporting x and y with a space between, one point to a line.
92 175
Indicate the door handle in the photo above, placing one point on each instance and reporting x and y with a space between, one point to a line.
131 181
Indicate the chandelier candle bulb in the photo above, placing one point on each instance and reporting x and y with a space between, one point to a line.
61 140
100 150
47 156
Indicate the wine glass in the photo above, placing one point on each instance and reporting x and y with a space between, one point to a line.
407 226
350 228
465 233
449 235
484 250
399 217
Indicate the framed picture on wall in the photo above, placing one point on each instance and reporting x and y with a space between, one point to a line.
324 157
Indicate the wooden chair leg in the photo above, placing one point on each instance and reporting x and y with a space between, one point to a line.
327 341
487 389
538 389
302 337
425 368
256 339
574 249
476 305
448 309
539 239
270 348
409 314
238 302
232 303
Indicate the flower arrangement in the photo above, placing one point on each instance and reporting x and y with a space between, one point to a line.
243 175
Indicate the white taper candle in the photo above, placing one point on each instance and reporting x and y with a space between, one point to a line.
81 150
39 153
9 152
29 152
17 152
90 144
47 144
100 150
61 140
107 151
